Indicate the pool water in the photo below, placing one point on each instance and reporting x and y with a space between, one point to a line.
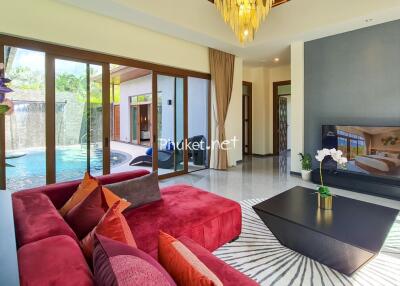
71 162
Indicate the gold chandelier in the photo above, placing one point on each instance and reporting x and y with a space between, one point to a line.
244 16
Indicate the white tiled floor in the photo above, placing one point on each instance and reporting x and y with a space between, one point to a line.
259 178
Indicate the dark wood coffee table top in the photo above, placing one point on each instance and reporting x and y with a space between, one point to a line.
357 223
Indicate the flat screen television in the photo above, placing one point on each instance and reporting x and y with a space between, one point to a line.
369 150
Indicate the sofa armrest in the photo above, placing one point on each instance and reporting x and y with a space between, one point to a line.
8 249
59 193
228 275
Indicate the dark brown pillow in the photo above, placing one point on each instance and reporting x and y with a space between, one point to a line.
138 191
83 217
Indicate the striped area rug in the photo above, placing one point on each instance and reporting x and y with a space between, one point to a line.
258 254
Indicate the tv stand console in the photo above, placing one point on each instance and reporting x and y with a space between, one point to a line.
378 186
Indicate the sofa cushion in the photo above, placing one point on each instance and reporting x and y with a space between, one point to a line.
138 191
208 219
112 225
83 217
182 264
36 218
60 193
112 198
87 186
56 260
116 263
228 275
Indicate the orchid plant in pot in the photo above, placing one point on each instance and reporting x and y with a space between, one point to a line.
325 200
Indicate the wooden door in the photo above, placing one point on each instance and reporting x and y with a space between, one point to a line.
247 118
116 121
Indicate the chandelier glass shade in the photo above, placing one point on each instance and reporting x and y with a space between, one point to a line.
244 16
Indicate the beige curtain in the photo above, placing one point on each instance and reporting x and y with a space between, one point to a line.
221 67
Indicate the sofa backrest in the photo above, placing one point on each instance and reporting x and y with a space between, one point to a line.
59 193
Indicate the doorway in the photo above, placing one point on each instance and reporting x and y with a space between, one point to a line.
281 117
247 118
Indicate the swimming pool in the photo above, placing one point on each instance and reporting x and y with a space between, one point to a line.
29 170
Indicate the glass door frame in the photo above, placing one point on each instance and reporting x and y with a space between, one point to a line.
51 117
98 58
155 123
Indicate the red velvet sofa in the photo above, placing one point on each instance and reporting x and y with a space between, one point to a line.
48 249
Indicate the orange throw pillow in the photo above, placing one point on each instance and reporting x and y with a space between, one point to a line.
112 198
183 266
87 186
112 225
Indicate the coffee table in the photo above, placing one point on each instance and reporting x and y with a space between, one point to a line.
344 238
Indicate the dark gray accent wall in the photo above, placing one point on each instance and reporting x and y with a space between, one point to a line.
352 79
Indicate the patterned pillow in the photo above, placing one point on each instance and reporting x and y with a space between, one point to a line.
115 263
182 264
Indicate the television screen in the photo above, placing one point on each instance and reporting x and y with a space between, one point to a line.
369 150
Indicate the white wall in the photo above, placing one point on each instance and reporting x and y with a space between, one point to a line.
233 123
166 89
262 79
297 73
129 88
58 23
198 107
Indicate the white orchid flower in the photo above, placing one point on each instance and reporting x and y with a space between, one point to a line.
342 161
336 155
332 151
320 155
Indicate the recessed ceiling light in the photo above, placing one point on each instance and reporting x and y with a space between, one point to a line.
369 20
276 60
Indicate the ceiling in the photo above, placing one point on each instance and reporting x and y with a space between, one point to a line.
297 20
377 130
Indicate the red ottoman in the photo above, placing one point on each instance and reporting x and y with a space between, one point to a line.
208 219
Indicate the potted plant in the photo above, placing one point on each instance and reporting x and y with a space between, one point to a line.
6 105
325 199
306 166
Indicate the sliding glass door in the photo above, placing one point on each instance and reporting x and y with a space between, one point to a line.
25 126
170 129
198 123
78 119
67 104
